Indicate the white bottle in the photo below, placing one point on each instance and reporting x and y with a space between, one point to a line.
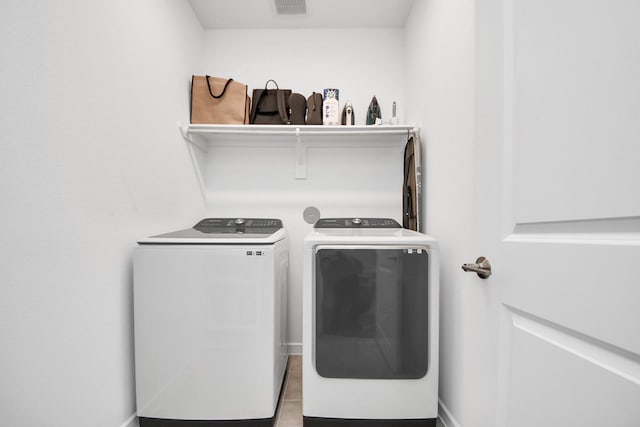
394 118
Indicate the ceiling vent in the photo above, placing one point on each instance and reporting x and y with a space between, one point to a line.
291 7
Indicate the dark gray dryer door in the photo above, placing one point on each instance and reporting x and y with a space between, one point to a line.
371 306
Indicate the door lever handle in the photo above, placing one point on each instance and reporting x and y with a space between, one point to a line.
481 267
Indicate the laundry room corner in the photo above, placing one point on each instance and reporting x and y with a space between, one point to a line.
439 42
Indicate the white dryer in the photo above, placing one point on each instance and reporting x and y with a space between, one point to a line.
370 325
210 306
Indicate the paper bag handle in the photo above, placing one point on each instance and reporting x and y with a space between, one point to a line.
223 90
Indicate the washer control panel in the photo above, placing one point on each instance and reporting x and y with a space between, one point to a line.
356 223
239 225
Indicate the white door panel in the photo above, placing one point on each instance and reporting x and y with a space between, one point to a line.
575 113
559 377
586 287
557 210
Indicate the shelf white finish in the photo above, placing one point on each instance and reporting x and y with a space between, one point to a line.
204 138
209 134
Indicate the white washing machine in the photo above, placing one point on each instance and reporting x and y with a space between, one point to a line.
210 306
370 325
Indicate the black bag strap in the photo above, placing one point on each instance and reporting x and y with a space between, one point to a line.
226 85
274 82
281 101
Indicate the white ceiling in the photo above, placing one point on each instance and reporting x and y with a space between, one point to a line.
226 14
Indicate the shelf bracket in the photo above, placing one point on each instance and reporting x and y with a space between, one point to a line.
301 157
187 136
197 159
184 131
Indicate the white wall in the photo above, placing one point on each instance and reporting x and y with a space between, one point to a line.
360 62
440 78
90 160
260 180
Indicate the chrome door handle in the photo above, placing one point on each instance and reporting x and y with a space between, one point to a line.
482 267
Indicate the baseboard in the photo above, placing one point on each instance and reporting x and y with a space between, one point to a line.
132 421
445 416
294 348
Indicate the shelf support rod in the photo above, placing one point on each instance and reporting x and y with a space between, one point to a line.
197 159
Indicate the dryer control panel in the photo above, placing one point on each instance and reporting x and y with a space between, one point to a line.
356 223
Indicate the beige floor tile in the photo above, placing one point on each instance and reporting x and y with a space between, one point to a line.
293 382
295 363
290 414
294 388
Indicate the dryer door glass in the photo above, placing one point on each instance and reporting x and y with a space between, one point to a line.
372 315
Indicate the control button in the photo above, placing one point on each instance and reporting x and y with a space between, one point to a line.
239 221
356 221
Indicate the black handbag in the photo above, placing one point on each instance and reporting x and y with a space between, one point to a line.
270 106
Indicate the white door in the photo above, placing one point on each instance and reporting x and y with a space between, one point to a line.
557 213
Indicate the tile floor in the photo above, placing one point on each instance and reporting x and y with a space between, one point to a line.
290 406
289 412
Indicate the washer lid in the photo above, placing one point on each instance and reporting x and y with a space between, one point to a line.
226 231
